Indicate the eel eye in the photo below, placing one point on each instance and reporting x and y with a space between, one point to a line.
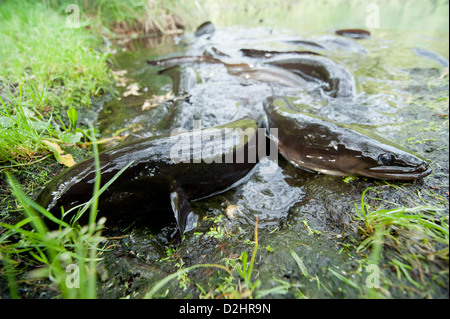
385 159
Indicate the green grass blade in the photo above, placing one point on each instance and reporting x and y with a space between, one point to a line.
300 263
344 279
157 287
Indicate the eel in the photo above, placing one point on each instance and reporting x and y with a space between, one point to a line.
314 44
431 55
184 79
354 33
342 43
317 144
338 80
253 53
190 59
270 75
165 172
206 28
264 74
214 52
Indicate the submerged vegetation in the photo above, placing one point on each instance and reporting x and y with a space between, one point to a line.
50 75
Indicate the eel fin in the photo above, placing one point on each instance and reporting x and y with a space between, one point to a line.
183 212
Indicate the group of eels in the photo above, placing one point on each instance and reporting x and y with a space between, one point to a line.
157 178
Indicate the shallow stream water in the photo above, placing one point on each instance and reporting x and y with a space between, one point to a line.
311 214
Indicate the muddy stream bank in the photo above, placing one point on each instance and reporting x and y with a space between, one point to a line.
401 95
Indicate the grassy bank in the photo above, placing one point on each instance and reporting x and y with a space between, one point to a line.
46 69
53 63
55 57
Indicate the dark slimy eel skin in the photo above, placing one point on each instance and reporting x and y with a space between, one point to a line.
246 71
253 53
339 81
270 75
354 33
336 80
159 177
321 145
206 28
188 59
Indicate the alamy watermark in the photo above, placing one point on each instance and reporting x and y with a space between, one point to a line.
224 145
73 19
73 279
373 278
373 17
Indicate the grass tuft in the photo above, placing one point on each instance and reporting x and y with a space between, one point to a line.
407 240
67 256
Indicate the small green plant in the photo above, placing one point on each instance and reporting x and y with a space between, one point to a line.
182 278
73 133
245 269
218 231
311 231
